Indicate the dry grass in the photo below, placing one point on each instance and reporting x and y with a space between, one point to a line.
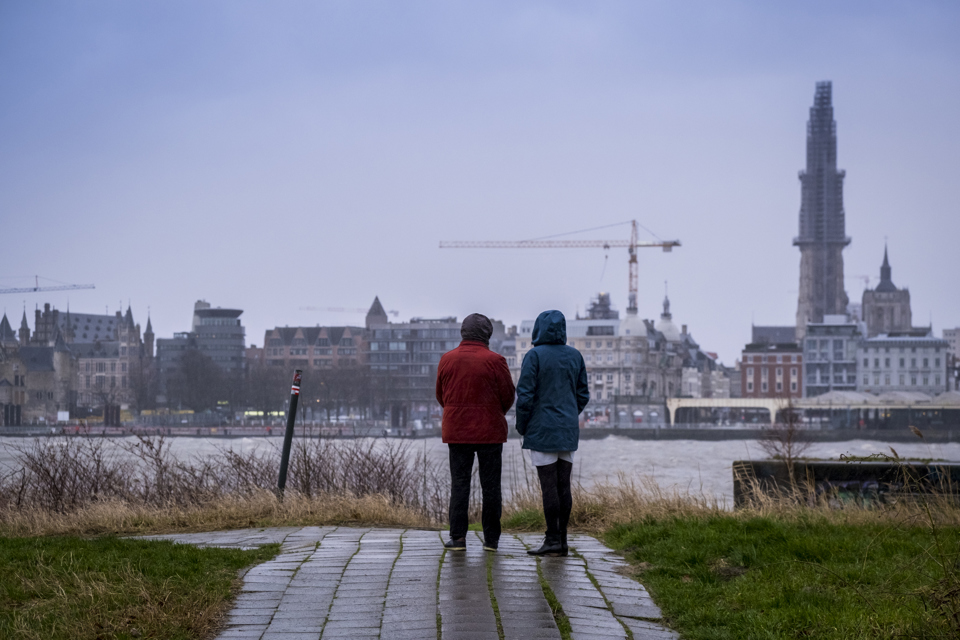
78 486
257 509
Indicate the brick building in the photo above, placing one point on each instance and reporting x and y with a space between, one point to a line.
771 370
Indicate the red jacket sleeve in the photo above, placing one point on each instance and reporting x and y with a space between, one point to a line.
505 384
439 390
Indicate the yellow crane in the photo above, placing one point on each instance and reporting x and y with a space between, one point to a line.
631 245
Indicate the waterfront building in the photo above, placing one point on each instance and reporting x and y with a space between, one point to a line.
402 358
773 334
914 361
215 332
37 383
108 350
830 355
309 348
635 364
822 235
952 336
771 370
886 308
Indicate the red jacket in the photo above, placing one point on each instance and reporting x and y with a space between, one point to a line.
475 389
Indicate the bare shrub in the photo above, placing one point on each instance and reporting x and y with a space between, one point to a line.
65 475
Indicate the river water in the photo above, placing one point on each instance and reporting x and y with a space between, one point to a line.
689 466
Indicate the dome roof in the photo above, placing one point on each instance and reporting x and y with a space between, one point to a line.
666 326
669 330
631 325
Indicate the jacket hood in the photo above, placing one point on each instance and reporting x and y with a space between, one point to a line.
550 328
477 326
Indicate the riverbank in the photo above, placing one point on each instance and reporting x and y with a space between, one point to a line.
677 432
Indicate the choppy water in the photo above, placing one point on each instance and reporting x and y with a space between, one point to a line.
689 466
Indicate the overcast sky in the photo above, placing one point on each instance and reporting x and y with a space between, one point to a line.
274 155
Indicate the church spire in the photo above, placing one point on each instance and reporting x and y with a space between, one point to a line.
886 283
24 330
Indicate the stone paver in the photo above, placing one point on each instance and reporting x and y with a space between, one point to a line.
393 584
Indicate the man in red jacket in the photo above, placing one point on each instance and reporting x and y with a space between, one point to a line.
475 389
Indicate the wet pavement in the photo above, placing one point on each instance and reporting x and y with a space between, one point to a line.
366 584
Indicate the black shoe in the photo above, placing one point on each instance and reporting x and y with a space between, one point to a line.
563 544
456 545
551 547
490 546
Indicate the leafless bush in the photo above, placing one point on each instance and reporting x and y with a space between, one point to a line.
67 474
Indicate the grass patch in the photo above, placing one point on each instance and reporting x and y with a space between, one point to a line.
53 588
493 596
810 575
525 520
563 622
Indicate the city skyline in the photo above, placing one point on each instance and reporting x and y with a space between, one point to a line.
266 159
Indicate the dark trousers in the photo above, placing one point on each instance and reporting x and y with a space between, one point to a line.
557 498
461 466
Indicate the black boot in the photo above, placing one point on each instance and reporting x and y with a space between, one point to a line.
563 543
460 544
551 547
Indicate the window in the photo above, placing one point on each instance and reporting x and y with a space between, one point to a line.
101 367
763 386
876 363
323 342
913 362
793 372
866 362
750 386
123 351
886 362
886 380
913 381
123 382
609 357
866 380
590 357
936 362
609 344
123 367
586 345
523 344
626 377
346 342
793 386
876 380
610 377
902 362
937 380
926 380
599 377
902 377
926 363
779 385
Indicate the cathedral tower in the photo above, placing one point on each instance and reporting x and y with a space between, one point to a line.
886 308
822 227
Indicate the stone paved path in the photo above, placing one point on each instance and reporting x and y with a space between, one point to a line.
393 584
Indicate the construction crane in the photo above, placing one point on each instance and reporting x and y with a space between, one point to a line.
344 310
38 288
631 245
